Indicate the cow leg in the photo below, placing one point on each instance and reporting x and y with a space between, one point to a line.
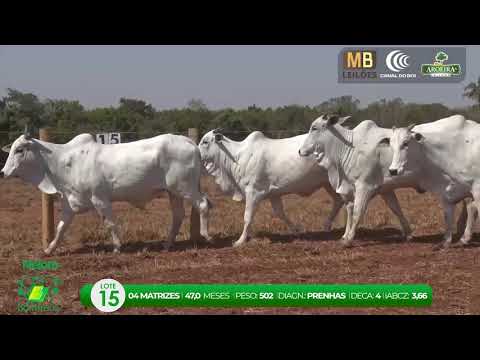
337 205
278 211
471 210
392 202
178 213
251 204
202 204
349 210
448 213
362 197
63 224
462 219
104 209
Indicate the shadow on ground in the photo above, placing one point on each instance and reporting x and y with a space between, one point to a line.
364 238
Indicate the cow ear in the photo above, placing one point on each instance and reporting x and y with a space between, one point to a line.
47 186
39 177
344 119
384 141
218 137
418 137
7 148
332 120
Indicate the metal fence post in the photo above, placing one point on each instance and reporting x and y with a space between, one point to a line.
47 205
195 216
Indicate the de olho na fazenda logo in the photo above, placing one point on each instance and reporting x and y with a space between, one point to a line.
38 292
440 68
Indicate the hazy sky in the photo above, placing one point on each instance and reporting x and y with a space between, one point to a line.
222 76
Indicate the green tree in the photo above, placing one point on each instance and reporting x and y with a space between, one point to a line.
137 106
472 91
197 105
23 108
67 116
343 105
3 118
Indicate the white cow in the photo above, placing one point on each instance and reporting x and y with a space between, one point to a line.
260 168
90 175
357 162
446 155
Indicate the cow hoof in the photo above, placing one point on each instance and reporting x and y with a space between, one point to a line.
209 240
442 246
116 251
408 238
461 243
298 229
47 251
345 244
167 246
238 243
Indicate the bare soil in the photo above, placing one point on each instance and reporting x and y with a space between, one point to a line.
273 255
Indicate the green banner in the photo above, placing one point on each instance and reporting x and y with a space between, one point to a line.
451 69
268 295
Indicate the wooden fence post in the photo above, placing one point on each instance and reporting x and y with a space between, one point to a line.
193 134
48 221
195 216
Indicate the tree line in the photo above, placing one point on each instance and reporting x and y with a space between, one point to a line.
142 120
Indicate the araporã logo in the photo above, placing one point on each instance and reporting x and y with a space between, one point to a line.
440 68
397 61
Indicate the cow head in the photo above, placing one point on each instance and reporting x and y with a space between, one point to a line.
209 148
18 153
24 161
402 141
313 143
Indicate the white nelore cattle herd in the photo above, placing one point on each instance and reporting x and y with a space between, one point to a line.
353 165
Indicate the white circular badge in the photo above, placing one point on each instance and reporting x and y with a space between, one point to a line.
107 295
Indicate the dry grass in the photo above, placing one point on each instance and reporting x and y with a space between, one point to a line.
272 256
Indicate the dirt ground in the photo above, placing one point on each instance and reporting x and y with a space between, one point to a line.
273 255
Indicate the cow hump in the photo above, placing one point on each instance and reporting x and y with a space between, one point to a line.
82 139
